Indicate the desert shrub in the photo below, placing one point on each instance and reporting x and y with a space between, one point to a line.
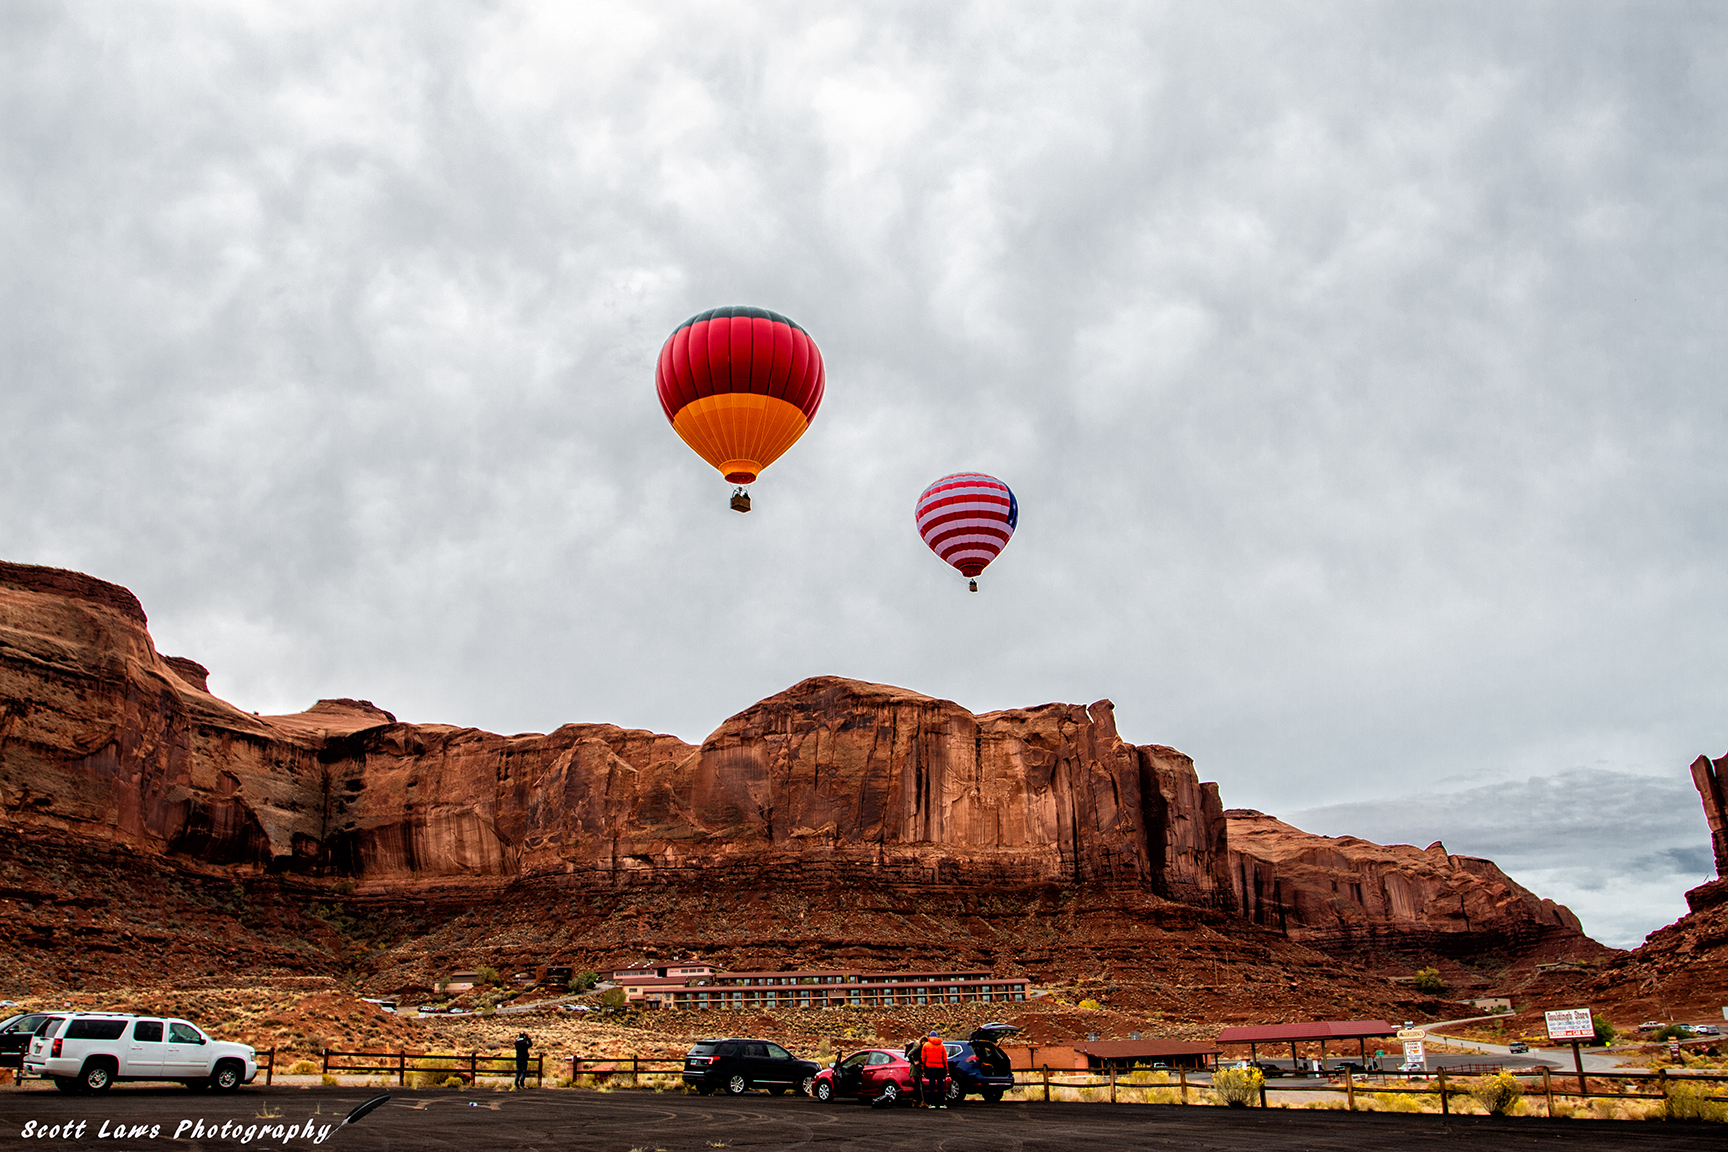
1498 1093
328 1080
302 1068
1092 1005
1669 1032
1428 980
452 1081
1696 1101
430 1073
1238 1087
1604 1031
487 975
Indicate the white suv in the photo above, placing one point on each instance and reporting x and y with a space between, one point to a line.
88 1051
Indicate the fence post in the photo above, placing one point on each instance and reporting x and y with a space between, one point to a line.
1182 1078
402 1068
1046 1083
1445 1110
635 1071
1548 1090
1112 1083
326 1057
1667 1100
1262 1090
473 1068
575 1063
539 1071
1349 1092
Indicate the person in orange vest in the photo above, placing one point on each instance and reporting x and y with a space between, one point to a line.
934 1057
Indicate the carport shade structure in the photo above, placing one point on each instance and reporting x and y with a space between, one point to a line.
1255 1035
1124 1054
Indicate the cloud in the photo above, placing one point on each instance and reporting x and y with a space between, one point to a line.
1358 370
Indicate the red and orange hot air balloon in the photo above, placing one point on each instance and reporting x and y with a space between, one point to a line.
740 385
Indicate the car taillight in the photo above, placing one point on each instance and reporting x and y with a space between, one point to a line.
56 1051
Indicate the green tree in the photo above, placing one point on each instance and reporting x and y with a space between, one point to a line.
1604 1031
1428 980
487 975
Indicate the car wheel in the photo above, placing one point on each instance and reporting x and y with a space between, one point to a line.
992 1095
66 1084
805 1085
226 1078
96 1077
955 1096
736 1085
890 1095
823 1090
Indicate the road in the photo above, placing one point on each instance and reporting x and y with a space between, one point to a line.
541 1121
1559 1057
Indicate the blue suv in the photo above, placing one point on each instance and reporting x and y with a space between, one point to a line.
977 1066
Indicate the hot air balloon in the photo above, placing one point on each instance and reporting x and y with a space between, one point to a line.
966 519
739 385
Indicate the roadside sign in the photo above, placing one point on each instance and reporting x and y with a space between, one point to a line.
1570 1024
1673 1049
1412 1033
1414 1052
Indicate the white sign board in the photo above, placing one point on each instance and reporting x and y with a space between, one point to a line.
1414 1053
1570 1024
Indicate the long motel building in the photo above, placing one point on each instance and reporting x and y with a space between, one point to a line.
689 985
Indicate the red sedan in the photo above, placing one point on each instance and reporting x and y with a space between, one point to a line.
880 1075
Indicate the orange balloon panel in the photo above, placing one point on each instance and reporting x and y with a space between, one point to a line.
740 433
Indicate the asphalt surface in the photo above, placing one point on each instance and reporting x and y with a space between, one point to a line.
542 1121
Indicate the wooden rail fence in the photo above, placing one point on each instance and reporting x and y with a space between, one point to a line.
467 1065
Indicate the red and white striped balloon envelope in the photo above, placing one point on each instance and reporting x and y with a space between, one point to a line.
967 519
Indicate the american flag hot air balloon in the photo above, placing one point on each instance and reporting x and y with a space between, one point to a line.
966 519
739 385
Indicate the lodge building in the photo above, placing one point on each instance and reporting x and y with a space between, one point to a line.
690 986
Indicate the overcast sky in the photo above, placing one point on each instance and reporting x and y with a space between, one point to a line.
1358 369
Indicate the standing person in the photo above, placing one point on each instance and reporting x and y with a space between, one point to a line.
522 1045
934 1056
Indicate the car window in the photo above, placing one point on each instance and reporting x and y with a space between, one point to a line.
756 1049
148 1031
881 1058
856 1060
775 1052
704 1049
50 1027
953 1049
95 1029
180 1033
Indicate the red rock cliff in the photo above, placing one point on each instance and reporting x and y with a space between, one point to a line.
101 737
1342 890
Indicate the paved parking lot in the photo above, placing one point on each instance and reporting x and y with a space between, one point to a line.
544 1121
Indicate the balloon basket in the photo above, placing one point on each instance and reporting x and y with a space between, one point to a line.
972 585
741 501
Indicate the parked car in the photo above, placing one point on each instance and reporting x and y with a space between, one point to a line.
1267 1068
737 1065
977 1066
15 1034
89 1051
1708 1030
1517 1046
880 1075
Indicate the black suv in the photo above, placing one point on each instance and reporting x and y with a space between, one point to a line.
976 1066
15 1033
735 1066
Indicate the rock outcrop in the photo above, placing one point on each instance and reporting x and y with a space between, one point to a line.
1707 775
1332 891
831 784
